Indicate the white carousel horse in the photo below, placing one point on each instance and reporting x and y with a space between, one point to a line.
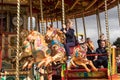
35 48
54 38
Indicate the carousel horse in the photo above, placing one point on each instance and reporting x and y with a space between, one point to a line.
34 50
79 58
23 34
54 38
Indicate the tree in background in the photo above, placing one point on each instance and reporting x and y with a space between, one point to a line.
117 42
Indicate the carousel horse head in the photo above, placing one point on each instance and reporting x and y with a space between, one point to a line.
79 58
79 51
54 37
35 44
34 48
32 35
54 34
90 44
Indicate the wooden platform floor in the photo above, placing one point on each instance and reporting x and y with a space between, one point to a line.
99 79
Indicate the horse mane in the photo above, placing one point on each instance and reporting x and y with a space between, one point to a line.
61 35
36 34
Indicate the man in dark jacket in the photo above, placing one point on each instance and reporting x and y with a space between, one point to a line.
101 60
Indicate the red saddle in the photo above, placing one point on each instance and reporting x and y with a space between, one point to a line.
72 48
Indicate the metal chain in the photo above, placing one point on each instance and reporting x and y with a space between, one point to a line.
108 39
18 26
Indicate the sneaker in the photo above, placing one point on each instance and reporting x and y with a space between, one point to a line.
69 57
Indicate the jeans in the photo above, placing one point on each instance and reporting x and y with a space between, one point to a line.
67 47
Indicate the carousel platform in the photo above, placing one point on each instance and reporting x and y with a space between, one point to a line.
81 74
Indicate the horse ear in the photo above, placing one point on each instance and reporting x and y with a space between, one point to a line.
59 31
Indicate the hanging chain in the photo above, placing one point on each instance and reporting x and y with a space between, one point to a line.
18 26
42 23
63 12
108 39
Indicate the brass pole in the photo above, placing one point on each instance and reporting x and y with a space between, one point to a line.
76 27
38 23
63 12
31 25
18 32
98 23
42 23
1 27
57 22
84 25
108 40
8 21
118 7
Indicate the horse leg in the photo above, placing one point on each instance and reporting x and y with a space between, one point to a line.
25 65
41 63
70 63
85 66
30 64
92 66
48 60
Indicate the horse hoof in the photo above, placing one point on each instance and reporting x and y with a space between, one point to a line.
37 68
29 69
2 70
95 69
88 70
25 69
44 67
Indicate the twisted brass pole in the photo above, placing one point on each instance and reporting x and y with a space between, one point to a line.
63 12
108 39
18 26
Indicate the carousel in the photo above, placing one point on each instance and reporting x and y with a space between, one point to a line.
31 49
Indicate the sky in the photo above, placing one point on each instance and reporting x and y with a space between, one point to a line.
91 25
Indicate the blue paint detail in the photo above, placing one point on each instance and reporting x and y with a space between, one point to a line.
53 42
49 51
85 74
56 42
76 54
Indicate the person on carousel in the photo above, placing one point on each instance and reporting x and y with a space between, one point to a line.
101 60
101 38
90 48
70 37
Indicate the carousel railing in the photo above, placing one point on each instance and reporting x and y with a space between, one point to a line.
10 74
78 73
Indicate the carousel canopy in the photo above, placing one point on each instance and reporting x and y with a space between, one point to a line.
53 8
